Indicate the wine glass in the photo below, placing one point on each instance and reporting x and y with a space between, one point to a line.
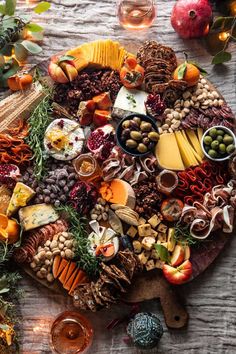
71 333
136 14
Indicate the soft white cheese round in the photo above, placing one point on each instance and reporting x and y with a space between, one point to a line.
64 139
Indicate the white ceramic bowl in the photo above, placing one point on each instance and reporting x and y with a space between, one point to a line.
228 131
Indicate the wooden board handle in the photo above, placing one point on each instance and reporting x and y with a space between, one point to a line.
175 314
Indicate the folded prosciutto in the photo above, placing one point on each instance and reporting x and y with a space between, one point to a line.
215 212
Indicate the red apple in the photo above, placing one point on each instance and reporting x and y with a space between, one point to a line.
178 275
101 118
69 70
57 74
187 252
177 256
103 101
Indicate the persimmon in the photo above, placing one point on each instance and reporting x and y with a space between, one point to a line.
9 229
131 74
191 74
19 82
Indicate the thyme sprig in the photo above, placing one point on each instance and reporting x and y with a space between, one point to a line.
78 224
38 122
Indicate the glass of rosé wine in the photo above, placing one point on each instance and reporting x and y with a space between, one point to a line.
136 14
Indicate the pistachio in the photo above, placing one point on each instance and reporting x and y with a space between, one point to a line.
221 102
62 254
167 110
41 255
99 217
64 234
43 271
68 254
69 243
215 94
165 126
186 110
207 87
198 92
186 94
55 252
203 81
53 244
104 216
169 116
48 243
40 275
33 265
186 104
47 262
215 103
61 246
170 130
50 278
94 216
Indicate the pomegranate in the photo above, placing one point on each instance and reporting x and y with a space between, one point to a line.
191 18
9 174
100 140
83 197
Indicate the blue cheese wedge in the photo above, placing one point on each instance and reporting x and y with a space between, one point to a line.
37 215
129 101
64 139
20 197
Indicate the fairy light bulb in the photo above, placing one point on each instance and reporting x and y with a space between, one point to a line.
223 36
233 8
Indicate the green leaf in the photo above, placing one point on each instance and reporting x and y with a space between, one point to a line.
4 291
222 23
221 57
10 7
162 252
202 71
33 27
181 70
7 50
42 7
11 71
65 58
37 36
33 48
20 52
2 9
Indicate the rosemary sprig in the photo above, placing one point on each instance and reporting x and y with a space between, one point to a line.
85 258
38 122
183 235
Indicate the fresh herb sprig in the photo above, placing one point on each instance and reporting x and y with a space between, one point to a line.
131 100
38 122
86 260
183 235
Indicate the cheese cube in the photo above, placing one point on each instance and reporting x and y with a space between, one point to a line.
150 265
162 228
132 231
141 221
162 237
154 233
159 264
137 246
148 243
143 257
154 254
154 221
144 230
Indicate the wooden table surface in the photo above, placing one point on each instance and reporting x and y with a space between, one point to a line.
210 299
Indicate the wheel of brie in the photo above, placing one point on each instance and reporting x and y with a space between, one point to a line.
64 139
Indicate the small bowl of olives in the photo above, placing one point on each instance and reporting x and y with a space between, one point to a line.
218 143
137 134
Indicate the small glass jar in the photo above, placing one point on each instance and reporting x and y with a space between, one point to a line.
71 333
87 167
167 181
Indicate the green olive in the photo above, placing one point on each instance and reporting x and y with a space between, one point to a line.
220 132
132 144
215 144
142 148
222 148
137 120
126 124
207 140
230 148
213 132
228 140
219 138
212 153
145 127
135 135
154 136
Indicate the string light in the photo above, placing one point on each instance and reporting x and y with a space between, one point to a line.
223 36
233 8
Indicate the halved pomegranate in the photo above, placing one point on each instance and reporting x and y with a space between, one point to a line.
100 139
9 174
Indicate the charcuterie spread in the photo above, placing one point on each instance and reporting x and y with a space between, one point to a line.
126 165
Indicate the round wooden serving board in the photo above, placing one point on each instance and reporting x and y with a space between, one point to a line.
150 285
